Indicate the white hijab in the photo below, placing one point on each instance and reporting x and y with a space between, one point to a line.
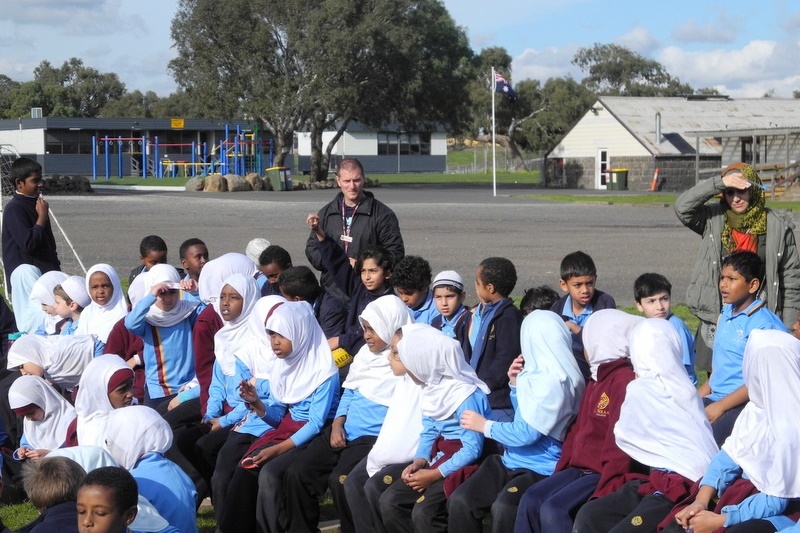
662 422
99 320
92 404
93 457
310 364
216 271
234 334
605 336
50 432
370 372
438 362
134 431
163 273
765 440
550 386
257 354
42 291
63 357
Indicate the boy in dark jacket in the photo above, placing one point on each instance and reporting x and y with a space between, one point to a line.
578 278
52 486
494 333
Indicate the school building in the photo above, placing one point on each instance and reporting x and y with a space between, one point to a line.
386 150
76 146
673 142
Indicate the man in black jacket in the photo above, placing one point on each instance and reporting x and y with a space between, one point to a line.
355 220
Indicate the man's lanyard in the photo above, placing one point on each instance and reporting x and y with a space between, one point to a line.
346 238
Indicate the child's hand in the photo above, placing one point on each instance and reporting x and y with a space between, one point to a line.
338 436
706 522
714 411
313 222
265 455
173 403
247 390
573 327
42 210
473 421
516 367
36 454
189 285
159 288
333 343
422 479
687 513
214 425
418 464
21 453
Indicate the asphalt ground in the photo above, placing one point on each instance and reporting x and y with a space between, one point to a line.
451 227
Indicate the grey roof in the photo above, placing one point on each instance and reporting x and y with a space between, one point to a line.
683 119
117 123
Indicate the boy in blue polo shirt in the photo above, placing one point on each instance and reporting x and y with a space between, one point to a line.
578 278
724 394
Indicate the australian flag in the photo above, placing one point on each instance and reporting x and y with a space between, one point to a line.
502 86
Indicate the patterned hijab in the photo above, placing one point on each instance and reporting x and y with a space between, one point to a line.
753 221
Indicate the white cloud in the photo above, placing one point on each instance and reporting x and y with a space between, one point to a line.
640 40
70 17
543 64
719 31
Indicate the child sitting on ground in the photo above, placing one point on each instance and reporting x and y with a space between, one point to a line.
300 284
541 297
454 318
106 501
48 420
652 293
272 261
71 299
108 302
411 278
60 359
578 278
725 394
52 487
42 293
494 332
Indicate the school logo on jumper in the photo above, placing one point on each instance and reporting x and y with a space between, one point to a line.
387 480
602 405
513 489
341 479
636 521
421 499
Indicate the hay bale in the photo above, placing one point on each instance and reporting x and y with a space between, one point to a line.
237 183
194 185
255 181
215 183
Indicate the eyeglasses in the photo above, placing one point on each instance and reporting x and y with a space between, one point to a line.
730 191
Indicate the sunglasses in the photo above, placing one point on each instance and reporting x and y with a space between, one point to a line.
730 191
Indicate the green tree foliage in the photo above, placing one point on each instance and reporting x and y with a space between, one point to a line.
614 70
291 64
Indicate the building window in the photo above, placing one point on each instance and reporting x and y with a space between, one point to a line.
392 143
751 155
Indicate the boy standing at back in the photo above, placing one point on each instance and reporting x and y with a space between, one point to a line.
494 333
652 293
27 236
578 277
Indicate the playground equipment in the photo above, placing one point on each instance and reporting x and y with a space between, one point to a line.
240 153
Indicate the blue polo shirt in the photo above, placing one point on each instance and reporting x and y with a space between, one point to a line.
733 330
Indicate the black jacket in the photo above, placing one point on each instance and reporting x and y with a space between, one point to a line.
25 243
501 348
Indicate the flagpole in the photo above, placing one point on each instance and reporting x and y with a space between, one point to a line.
494 155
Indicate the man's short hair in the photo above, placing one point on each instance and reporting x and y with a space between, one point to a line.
299 282
577 264
541 297
23 167
188 243
52 480
351 164
650 284
275 254
152 243
122 484
500 272
412 272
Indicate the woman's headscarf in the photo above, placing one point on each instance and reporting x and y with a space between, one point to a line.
63 357
370 372
50 432
662 422
550 386
134 431
605 336
310 364
163 273
234 334
754 220
765 440
100 319
257 354
92 404
438 361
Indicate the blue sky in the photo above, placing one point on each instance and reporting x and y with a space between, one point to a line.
742 48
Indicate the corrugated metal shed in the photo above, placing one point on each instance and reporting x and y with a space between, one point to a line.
683 118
